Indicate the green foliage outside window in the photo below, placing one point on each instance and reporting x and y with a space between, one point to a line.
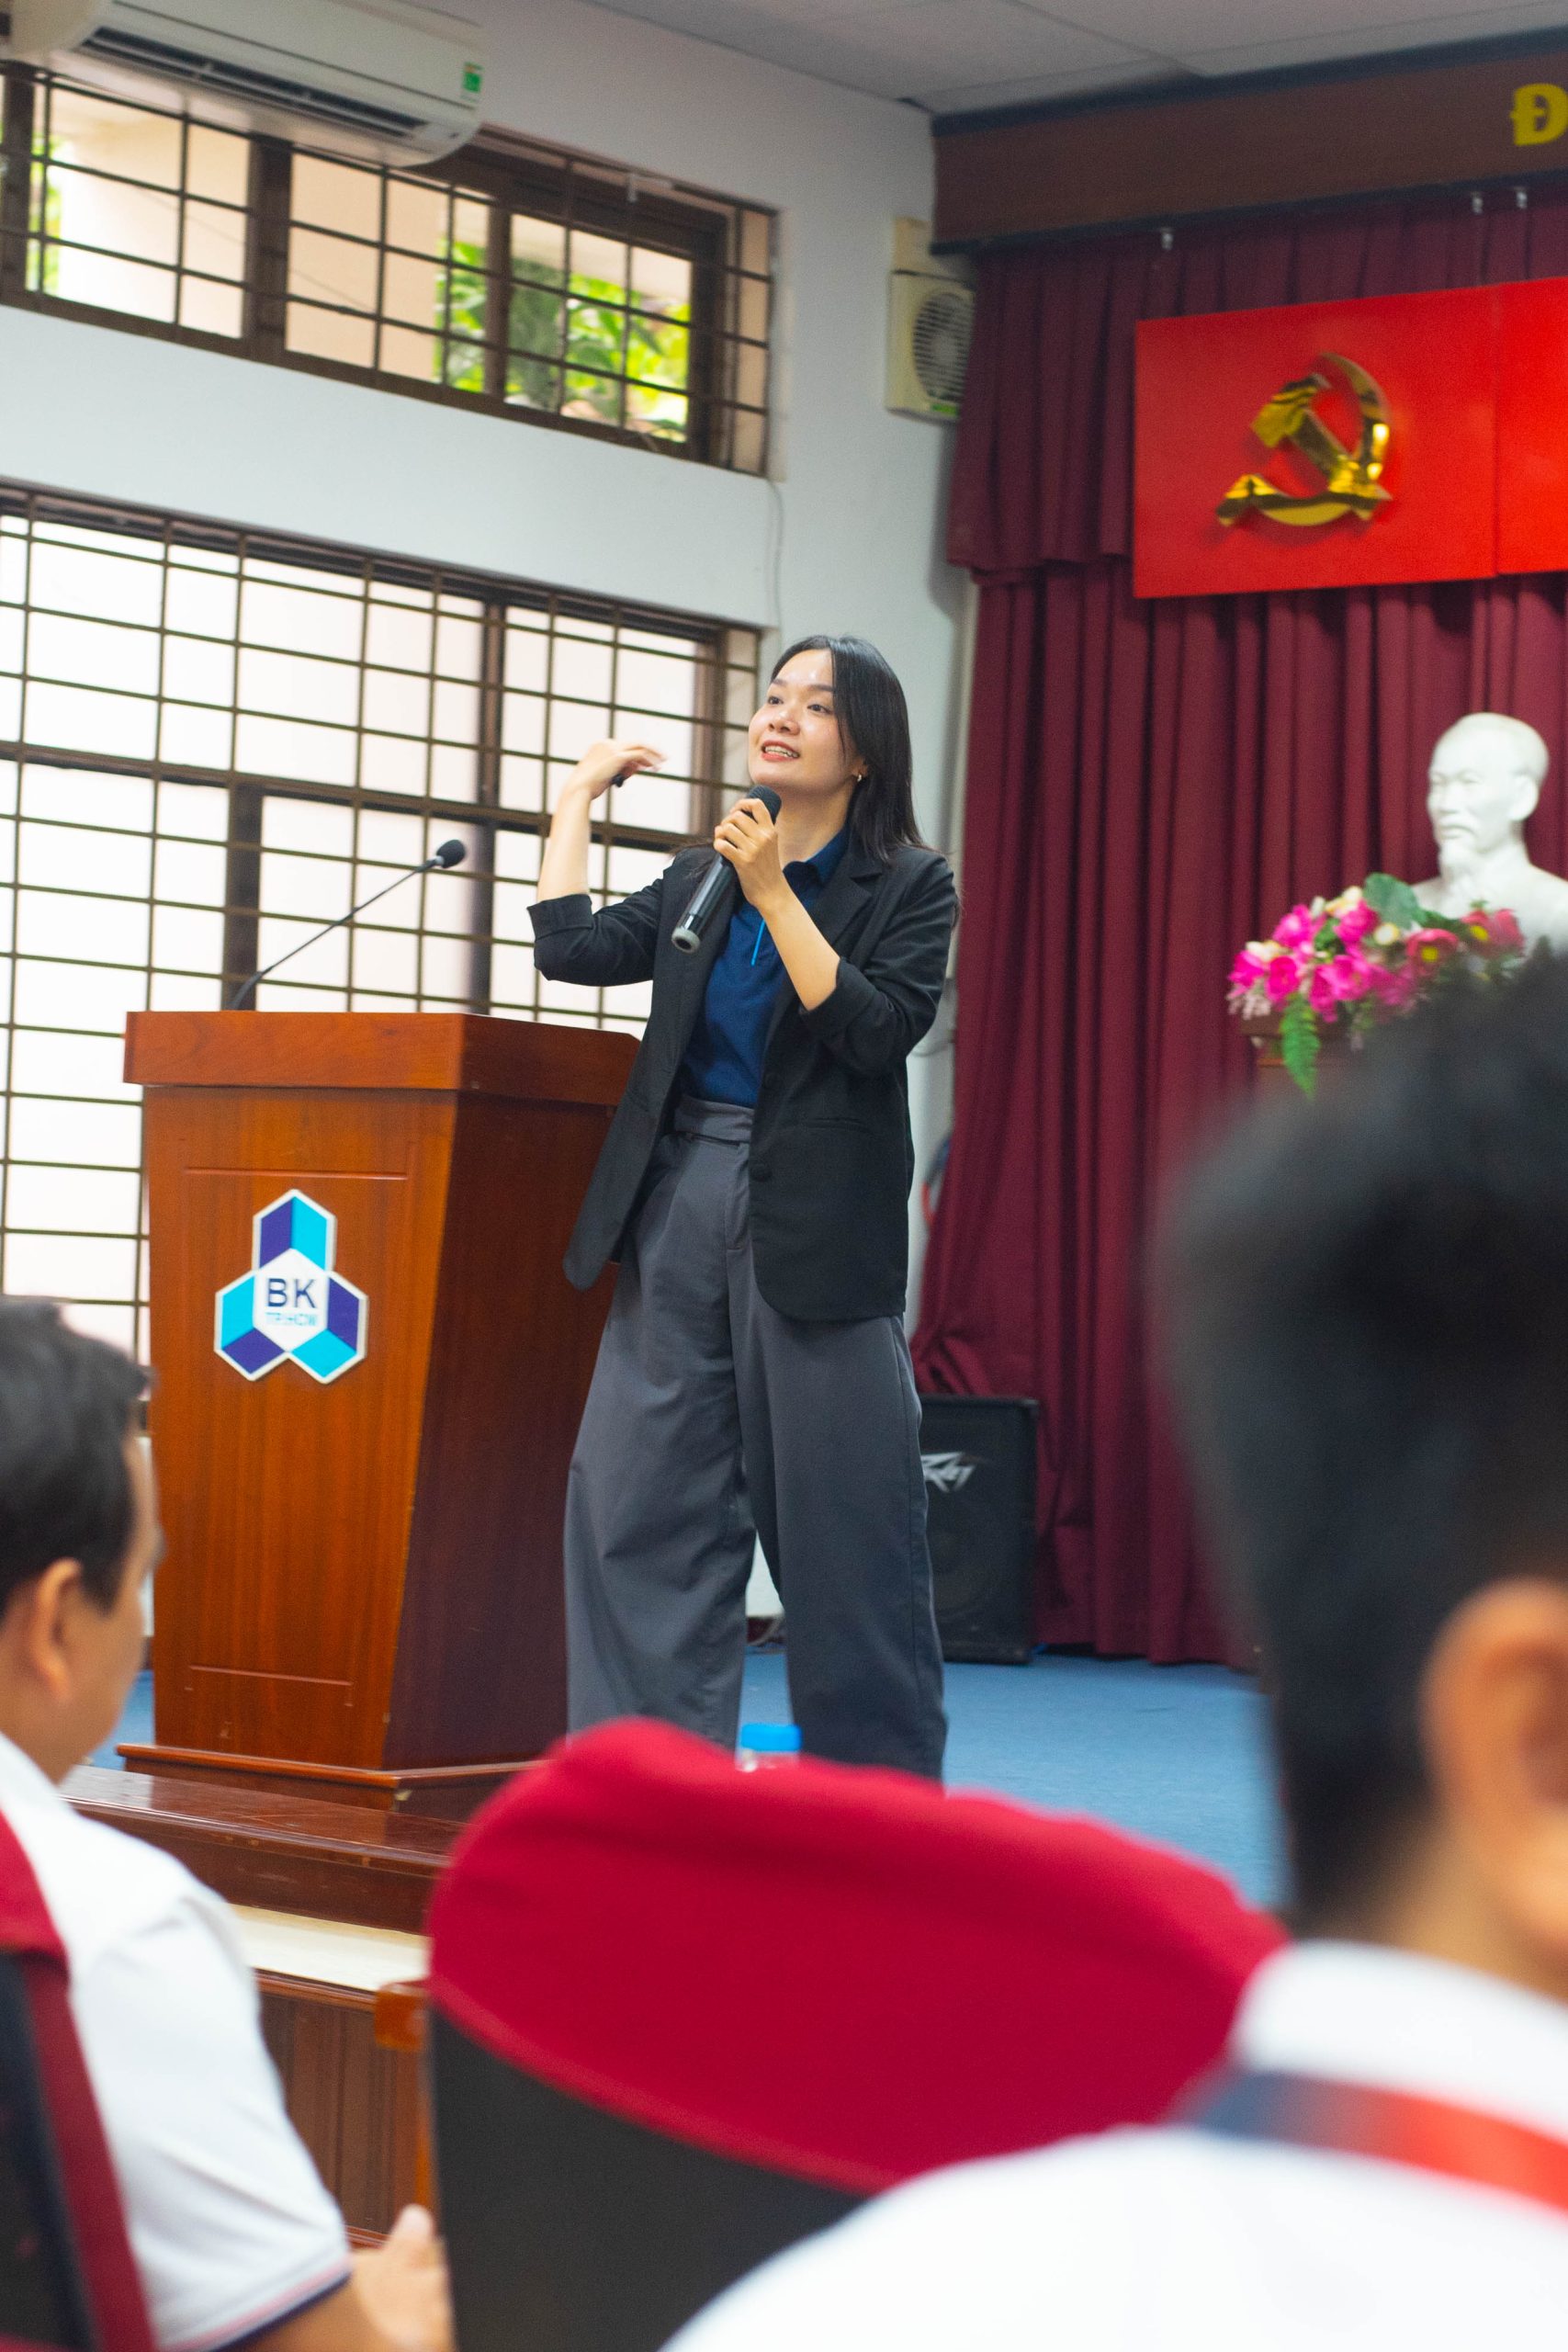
570 340
43 221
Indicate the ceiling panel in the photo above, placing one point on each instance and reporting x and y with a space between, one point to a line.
902 49
968 97
1203 32
951 55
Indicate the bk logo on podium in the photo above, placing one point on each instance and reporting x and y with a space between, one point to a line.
291 1304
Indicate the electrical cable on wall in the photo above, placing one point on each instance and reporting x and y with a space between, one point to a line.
773 565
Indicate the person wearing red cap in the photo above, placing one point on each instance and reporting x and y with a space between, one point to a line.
1368 1306
949 1976
637 1832
755 1376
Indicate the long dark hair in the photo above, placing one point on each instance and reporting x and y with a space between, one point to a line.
874 720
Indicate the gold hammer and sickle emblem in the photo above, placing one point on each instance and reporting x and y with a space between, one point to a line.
1350 483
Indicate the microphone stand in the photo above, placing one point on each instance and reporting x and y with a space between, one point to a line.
442 860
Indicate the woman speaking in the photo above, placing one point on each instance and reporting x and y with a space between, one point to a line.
753 1374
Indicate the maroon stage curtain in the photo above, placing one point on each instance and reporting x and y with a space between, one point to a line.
1150 784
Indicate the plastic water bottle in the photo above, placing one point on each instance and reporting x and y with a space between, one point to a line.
766 1746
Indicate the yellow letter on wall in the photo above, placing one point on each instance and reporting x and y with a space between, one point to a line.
1541 113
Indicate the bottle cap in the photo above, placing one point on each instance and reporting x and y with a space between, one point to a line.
771 1739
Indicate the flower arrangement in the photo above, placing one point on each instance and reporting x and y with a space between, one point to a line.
1343 965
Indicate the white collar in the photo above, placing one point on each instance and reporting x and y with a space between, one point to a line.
24 1782
1361 2013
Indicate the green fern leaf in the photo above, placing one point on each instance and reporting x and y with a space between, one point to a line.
1300 1037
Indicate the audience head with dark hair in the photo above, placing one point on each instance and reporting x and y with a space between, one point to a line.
78 1534
1366 1302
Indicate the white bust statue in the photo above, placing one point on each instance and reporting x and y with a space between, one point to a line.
1483 782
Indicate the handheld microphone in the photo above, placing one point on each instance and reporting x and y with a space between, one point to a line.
715 892
449 853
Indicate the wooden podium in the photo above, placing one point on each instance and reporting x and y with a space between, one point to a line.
363 1502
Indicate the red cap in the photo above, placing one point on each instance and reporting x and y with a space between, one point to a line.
838 1973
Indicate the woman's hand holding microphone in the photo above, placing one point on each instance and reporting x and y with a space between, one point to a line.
748 838
750 841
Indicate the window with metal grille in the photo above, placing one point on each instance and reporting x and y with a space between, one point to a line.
515 278
211 741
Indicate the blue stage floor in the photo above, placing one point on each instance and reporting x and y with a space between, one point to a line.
1174 1752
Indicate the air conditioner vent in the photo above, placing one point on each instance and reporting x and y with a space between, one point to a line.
230 80
388 81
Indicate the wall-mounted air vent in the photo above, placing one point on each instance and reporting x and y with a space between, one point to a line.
930 318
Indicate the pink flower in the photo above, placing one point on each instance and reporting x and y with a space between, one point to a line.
1298 929
1283 974
1321 994
1339 981
1430 948
1496 930
1395 986
1355 923
1247 970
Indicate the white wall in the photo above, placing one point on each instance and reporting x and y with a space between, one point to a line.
850 528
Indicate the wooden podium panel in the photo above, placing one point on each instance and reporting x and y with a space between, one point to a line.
363 1583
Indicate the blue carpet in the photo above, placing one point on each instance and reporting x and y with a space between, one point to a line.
135 1724
1174 1752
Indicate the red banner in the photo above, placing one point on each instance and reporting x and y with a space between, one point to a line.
1324 444
1532 426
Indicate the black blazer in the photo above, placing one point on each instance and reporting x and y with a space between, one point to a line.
831 1159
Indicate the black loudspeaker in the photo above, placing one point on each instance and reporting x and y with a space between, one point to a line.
979 1456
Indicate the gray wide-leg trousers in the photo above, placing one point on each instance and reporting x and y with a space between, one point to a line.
711 1418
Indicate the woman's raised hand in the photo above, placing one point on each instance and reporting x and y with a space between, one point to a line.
563 869
605 763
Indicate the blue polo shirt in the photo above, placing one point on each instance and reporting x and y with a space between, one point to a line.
724 1060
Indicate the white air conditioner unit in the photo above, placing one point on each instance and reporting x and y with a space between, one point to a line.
930 317
377 78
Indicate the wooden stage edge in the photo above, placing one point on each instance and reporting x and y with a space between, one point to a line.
438 1791
276 1850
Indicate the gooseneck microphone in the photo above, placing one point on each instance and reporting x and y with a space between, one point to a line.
714 894
449 853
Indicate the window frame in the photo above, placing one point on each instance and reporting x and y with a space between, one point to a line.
695 223
486 815
727 655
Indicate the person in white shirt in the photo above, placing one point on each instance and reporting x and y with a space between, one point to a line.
235 2237
1366 1307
